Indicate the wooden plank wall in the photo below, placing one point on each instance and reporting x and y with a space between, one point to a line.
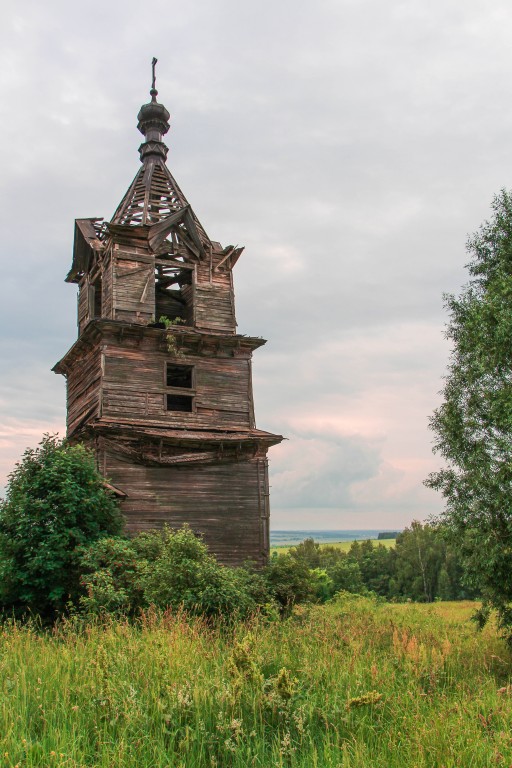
107 300
83 304
167 304
134 385
224 502
214 305
84 388
128 292
133 285
214 309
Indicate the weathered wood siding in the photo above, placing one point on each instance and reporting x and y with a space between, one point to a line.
84 388
134 386
133 285
214 303
205 466
83 304
107 306
168 303
227 503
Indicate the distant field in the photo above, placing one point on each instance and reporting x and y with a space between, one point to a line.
353 684
344 546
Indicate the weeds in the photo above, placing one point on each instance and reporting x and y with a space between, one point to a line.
352 684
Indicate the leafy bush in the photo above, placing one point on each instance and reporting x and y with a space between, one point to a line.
324 585
346 576
55 503
290 581
167 569
111 573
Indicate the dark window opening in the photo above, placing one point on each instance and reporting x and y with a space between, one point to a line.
172 292
95 299
179 376
179 403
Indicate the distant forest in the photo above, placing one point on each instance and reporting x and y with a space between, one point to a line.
421 567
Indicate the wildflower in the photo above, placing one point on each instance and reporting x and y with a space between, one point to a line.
184 698
230 745
285 684
372 697
286 747
299 719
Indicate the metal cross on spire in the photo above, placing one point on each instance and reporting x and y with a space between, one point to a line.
153 91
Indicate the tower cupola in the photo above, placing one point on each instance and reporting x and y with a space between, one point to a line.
153 124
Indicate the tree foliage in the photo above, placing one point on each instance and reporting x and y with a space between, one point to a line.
423 566
55 503
473 426
166 569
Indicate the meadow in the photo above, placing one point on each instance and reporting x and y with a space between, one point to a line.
355 683
342 546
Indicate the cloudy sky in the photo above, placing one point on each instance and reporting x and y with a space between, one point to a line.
350 145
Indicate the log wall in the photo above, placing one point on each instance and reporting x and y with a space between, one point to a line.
134 386
128 293
84 388
214 302
133 285
227 503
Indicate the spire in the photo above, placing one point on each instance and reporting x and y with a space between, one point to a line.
153 123
154 194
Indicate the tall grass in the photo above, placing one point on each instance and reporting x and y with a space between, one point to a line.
352 684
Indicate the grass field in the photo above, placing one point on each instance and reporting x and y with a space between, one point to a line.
355 684
344 546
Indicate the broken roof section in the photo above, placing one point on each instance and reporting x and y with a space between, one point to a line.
154 194
89 237
154 203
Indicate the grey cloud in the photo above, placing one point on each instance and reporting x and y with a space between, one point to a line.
317 471
351 146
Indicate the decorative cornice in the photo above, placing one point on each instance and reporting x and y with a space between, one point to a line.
189 340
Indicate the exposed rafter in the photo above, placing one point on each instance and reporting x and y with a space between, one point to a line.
154 195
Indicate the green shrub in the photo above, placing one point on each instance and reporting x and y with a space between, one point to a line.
185 574
346 576
55 503
111 574
290 581
166 569
309 551
324 585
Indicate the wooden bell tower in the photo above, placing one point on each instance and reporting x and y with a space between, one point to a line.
167 406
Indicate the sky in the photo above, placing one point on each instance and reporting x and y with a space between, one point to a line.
350 145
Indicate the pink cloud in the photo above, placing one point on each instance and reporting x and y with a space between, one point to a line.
16 435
